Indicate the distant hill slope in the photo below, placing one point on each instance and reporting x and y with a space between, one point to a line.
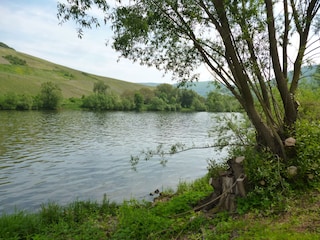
27 79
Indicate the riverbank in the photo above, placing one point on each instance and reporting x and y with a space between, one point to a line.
171 218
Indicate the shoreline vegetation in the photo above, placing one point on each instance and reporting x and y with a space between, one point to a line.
170 217
164 97
30 83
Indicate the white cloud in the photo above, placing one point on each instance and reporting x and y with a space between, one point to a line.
34 29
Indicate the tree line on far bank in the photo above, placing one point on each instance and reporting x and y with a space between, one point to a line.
164 97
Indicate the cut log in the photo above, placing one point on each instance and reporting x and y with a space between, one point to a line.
227 186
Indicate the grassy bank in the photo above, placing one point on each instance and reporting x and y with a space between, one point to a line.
170 218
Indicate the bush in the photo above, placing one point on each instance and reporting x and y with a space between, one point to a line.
50 96
267 186
267 179
25 102
15 60
9 101
308 153
102 102
157 104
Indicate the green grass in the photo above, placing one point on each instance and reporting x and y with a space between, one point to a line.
169 218
26 79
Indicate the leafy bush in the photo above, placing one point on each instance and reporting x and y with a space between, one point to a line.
50 96
308 153
15 60
12 101
102 102
309 99
266 185
9 101
268 182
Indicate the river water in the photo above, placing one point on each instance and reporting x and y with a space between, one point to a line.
78 155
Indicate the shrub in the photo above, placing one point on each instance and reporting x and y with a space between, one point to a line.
9 101
15 60
266 185
25 102
308 153
50 96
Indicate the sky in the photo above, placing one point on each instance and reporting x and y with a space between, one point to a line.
32 27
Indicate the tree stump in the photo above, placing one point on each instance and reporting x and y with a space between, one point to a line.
227 186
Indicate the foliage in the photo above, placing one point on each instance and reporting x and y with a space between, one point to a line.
14 60
80 220
308 153
217 102
164 97
229 38
143 221
269 185
138 101
168 218
100 87
102 102
309 103
12 101
5 45
50 96
157 104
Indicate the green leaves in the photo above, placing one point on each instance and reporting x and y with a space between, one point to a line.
78 11
50 96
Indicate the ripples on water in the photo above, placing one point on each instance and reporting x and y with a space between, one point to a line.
69 155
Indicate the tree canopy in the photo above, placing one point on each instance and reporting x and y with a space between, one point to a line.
247 45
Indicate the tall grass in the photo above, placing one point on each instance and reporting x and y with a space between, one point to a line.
170 218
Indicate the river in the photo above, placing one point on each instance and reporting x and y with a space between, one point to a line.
65 156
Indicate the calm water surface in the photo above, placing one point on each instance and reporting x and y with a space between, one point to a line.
78 155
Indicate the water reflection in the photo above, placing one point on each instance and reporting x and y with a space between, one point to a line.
68 155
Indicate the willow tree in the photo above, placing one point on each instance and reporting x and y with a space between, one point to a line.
244 43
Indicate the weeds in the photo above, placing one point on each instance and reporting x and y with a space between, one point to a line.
171 219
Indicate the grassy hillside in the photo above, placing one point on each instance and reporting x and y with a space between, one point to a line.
26 79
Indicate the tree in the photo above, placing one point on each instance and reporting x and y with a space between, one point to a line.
138 101
147 94
217 102
166 92
50 96
245 44
100 87
187 97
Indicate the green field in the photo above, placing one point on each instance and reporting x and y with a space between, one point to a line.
27 79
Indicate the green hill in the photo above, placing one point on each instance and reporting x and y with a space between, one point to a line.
23 74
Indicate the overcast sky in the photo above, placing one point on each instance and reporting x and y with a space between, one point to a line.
32 27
